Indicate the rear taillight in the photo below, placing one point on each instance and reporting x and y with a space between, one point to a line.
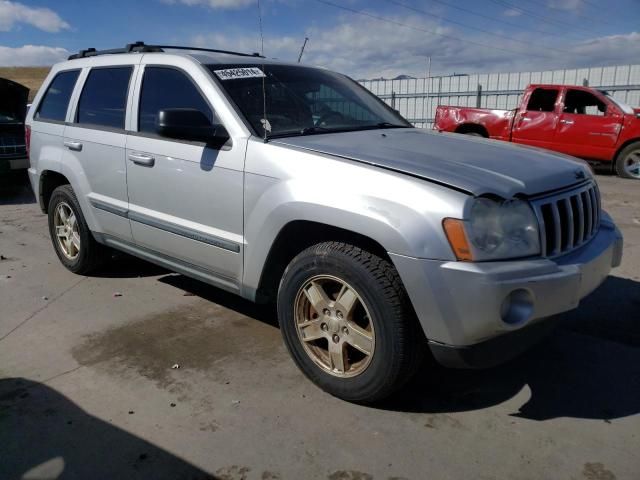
27 138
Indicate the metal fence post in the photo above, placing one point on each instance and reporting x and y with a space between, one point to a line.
479 97
393 99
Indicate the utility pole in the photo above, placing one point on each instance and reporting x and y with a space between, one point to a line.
306 39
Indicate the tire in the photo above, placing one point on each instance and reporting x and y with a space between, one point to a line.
628 162
83 254
381 310
474 134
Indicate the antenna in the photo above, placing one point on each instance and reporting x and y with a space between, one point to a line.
265 122
306 39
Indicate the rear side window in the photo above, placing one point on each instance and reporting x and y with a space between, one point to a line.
56 100
104 97
167 88
543 100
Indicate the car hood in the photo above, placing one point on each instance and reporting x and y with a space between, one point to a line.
13 99
474 165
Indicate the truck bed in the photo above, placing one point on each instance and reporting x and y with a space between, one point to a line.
483 121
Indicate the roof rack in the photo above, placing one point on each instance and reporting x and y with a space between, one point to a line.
141 47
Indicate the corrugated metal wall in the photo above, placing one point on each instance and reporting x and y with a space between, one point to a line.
417 98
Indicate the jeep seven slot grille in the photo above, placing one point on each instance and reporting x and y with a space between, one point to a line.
568 220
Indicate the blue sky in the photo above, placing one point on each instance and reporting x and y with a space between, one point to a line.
364 39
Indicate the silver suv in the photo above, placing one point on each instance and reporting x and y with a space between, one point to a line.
279 182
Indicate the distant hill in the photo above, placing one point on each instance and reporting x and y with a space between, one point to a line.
30 77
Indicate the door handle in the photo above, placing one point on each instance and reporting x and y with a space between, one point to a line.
567 122
144 160
75 146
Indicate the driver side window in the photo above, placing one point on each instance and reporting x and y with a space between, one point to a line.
164 88
581 102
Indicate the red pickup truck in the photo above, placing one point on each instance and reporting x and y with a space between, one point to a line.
579 121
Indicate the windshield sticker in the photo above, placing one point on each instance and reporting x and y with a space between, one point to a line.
233 73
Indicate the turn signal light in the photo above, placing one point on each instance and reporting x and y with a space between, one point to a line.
457 237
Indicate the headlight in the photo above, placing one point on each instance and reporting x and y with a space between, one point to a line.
497 230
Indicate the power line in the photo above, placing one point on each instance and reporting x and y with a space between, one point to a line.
432 32
488 32
535 15
579 14
498 20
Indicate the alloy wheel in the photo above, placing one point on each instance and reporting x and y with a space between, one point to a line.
334 326
66 230
632 164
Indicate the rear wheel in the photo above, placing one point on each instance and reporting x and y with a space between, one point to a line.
628 162
347 322
72 240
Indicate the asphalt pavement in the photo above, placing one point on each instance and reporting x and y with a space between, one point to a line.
137 372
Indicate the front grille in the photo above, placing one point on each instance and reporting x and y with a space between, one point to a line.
11 146
568 220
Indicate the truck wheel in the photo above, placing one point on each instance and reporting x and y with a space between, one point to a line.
628 162
72 240
474 134
347 322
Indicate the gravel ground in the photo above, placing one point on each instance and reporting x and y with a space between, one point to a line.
87 388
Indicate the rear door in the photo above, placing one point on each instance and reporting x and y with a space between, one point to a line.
185 197
95 145
536 121
589 125
48 124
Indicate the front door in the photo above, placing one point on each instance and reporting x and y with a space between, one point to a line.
185 198
588 126
535 123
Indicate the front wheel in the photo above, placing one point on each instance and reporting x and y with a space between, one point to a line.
628 162
347 322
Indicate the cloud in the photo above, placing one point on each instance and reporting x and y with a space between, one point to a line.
367 48
13 13
219 4
512 12
31 55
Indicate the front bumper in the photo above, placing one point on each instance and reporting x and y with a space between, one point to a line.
466 308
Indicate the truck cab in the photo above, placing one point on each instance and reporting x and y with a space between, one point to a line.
578 121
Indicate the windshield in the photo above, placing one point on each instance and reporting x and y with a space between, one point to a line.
623 106
303 100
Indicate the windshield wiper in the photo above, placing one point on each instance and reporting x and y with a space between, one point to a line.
374 126
389 125
315 129
301 132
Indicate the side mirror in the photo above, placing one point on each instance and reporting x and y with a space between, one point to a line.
189 124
